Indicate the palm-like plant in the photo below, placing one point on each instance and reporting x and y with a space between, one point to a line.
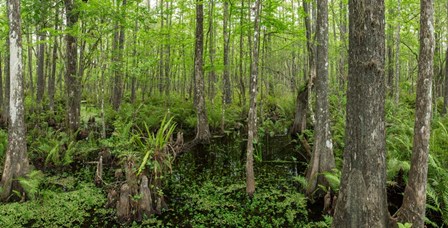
155 148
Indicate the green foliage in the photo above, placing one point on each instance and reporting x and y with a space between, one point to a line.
406 225
278 115
399 137
31 183
400 131
334 179
57 149
337 110
155 148
226 205
57 209
3 145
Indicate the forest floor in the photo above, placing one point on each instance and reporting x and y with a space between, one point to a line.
203 187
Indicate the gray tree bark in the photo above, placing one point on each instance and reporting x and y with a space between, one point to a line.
343 55
1 87
414 200
72 79
30 63
362 200
445 97
322 159
118 52
211 50
227 98
202 128
397 58
40 70
52 78
252 117
299 123
240 65
41 56
16 162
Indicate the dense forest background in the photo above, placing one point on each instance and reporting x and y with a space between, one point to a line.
224 113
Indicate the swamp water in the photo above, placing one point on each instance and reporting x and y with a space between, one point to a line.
207 186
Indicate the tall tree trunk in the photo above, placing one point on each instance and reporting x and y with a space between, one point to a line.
30 62
397 58
167 51
252 117
1 87
343 38
414 200
118 79
52 78
390 60
41 54
299 123
134 54
226 76
322 159
390 56
161 52
40 70
445 97
16 163
211 50
202 128
241 70
362 200
72 79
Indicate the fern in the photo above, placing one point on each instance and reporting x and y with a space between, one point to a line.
31 183
334 178
302 181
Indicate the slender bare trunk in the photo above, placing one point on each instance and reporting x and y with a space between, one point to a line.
299 123
242 87
414 200
322 159
118 78
40 70
52 78
72 79
397 58
227 98
252 117
445 97
202 127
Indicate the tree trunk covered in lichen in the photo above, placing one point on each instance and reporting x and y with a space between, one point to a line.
414 199
362 200
72 79
16 162
202 128
252 117
322 159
